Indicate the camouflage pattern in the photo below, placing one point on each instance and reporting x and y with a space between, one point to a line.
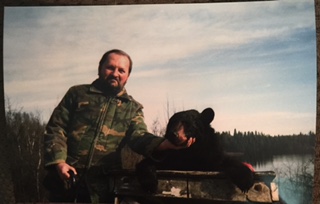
86 115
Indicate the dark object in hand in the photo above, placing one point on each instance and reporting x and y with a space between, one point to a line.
72 181
61 190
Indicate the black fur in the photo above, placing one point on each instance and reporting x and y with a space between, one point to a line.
206 154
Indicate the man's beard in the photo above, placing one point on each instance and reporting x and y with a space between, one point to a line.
111 85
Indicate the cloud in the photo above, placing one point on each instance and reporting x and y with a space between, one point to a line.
193 56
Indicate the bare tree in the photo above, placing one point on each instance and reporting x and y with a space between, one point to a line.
24 138
157 128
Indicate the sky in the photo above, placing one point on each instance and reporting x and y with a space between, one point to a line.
254 63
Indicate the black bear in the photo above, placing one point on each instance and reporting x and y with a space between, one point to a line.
206 154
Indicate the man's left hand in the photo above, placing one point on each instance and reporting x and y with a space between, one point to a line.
166 144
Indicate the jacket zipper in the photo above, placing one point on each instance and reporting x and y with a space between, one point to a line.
100 121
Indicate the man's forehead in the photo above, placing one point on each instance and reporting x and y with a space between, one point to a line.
114 57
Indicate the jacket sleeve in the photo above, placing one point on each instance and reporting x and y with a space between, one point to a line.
55 136
141 141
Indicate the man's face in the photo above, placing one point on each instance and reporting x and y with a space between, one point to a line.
115 72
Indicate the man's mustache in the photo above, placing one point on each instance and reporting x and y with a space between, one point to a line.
112 78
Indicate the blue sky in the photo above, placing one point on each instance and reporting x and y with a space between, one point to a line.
254 63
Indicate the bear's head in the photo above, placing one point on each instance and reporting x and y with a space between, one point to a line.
191 123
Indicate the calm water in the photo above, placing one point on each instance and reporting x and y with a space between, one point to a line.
294 176
284 162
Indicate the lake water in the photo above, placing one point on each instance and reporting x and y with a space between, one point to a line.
285 161
294 177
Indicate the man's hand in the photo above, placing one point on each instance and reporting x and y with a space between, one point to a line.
166 145
63 169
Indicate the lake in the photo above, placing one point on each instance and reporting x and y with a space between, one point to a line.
294 176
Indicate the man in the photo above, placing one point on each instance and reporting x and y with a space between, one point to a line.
90 125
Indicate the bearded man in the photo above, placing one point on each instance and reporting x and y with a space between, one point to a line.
87 128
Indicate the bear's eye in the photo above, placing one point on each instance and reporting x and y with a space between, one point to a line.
188 133
179 130
176 134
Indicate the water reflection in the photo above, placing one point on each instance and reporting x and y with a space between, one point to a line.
294 175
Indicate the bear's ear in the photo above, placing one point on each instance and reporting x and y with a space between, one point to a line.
207 116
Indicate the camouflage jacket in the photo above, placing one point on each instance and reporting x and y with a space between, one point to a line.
87 116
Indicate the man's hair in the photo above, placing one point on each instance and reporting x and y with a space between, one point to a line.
116 51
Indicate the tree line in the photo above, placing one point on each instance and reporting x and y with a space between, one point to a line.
24 137
253 143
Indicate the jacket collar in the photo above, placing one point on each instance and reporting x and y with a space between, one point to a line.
95 87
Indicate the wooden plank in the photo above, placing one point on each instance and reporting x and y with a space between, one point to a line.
195 187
